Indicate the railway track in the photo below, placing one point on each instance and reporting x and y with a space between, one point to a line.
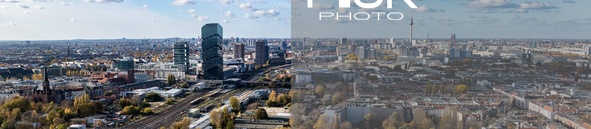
168 116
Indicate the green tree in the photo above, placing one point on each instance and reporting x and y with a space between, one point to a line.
153 97
130 110
185 85
428 88
123 102
460 89
169 101
21 103
261 114
147 111
392 122
171 80
235 104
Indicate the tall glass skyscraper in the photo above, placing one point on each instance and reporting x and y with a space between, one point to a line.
181 55
212 55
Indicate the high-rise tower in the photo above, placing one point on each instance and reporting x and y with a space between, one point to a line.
453 41
212 34
181 55
411 23
262 52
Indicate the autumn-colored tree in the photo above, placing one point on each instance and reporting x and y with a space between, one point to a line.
37 77
460 89
351 57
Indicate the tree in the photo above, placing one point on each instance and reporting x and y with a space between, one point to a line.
351 57
153 97
426 124
123 102
335 69
319 90
108 93
147 111
171 80
392 122
235 104
261 114
467 62
37 77
216 118
367 121
18 102
460 89
185 85
428 89
130 110
169 101
273 95
337 98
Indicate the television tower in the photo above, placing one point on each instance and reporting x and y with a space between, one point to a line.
411 23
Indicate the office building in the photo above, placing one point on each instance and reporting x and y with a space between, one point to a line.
212 54
238 51
262 52
453 41
181 55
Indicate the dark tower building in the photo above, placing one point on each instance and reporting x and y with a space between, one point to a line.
453 41
262 52
212 34
238 50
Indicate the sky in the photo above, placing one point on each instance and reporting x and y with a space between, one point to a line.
138 19
114 19
491 19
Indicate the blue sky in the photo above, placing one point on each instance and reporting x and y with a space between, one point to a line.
106 19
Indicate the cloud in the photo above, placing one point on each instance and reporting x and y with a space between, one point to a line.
193 15
230 14
73 20
103 1
27 12
226 1
191 11
202 18
423 8
249 16
225 21
321 6
257 1
484 4
537 5
569 1
8 24
3 7
39 7
272 13
246 6
146 6
183 2
10 1
21 6
66 4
